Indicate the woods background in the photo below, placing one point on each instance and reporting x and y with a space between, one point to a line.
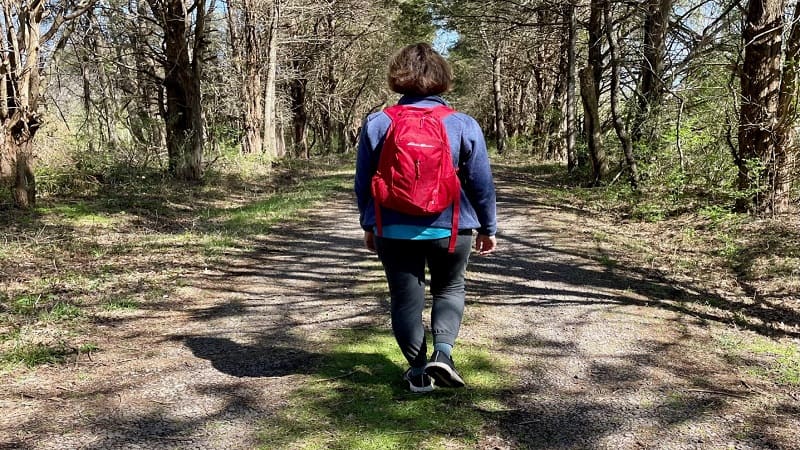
690 102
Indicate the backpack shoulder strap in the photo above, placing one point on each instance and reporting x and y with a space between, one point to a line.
440 112
394 111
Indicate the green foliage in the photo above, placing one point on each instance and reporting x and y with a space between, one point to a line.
62 311
717 214
88 347
413 22
121 304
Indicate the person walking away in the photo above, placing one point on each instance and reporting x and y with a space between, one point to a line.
424 184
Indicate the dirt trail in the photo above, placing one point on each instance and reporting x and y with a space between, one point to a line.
601 360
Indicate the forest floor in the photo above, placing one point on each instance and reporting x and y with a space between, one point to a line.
216 319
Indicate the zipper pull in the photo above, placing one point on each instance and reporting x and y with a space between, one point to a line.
416 168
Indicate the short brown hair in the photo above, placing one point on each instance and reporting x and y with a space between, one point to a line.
419 70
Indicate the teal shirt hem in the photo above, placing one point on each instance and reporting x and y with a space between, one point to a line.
415 232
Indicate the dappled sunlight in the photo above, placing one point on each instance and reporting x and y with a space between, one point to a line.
205 328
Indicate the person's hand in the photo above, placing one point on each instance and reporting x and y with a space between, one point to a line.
369 240
485 244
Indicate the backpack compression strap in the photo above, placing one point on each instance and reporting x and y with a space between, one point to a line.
454 228
440 112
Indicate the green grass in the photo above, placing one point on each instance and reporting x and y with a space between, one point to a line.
79 213
26 305
607 261
357 400
33 355
44 307
88 347
782 364
62 311
121 304
257 217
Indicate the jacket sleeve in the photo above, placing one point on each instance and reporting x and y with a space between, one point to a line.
476 176
366 164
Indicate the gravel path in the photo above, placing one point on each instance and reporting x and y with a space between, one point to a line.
600 361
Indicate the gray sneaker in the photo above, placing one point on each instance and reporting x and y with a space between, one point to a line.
418 383
443 371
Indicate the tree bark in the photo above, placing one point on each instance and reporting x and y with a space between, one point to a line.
182 74
252 89
555 144
651 89
593 126
299 117
497 94
271 147
21 81
762 151
619 125
571 129
595 31
786 159
22 73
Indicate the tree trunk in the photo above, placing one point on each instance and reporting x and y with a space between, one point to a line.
555 144
571 129
762 151
595 29
593 126
299 117
619 125
651 89
21 97
497 93
785 172
184 115
24 182
271 146
252 88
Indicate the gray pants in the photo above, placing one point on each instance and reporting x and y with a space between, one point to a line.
404 263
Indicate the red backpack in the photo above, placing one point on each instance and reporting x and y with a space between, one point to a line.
415 171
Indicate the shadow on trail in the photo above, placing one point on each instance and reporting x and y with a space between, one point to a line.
647 395
280 310
261 360
587 283
585 280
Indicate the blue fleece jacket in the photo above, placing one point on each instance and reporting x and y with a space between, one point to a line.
478 201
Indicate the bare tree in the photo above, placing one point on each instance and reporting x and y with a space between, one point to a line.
590 81
571 129
183 72
766 151
246 42
616 116
28 27
651 85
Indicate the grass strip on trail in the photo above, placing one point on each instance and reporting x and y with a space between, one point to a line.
358 400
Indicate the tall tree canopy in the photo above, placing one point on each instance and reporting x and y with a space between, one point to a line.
684 95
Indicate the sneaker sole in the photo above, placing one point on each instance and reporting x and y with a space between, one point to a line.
420 390
444 375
